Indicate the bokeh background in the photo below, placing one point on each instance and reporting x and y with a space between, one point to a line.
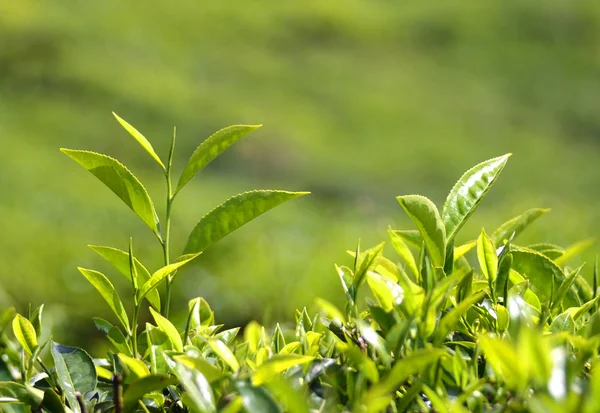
361 101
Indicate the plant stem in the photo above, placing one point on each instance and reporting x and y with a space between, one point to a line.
136 304
134 325
167 236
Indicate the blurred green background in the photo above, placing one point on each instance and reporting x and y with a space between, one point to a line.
361 101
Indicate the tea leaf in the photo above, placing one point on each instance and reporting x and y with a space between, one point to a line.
75 372
542 272
413 364
427 219
11 392
120 260
257 399
161 274
212 147
25 333
209 371
503 359
275 365
224 353
108 292
141 140
461 250
404 252
574 250
119 180
232 214
200 394
137 367
169 329
139 388
451 319
486 254
468 192
516 225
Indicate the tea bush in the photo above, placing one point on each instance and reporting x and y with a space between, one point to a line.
515 329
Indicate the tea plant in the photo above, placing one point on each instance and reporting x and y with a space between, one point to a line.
514 329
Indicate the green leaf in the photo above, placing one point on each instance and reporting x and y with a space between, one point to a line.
137 368
202 315
232 214
120 260
411 365
486 254
503 358
404 252
11 392
366 262
461 250
563 323
450 320
119 180
161 274
116 337
427 219
108 292
139 388
209 371
25 333
212 147
52 402
169 329
412 236
36 320
224 353
141 140
277 364
75 372
574 250
257 399
385 291
468 192
542 272
292 399
200 394
516 225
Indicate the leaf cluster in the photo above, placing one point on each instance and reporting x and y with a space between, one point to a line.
489 325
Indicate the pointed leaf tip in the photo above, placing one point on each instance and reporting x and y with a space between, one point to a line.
141 139
468 192
210 148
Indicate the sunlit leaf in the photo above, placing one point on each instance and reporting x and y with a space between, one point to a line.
542 272
232 214
212 147
427 219
224 353
140 139
121 181
25 333
200 394
276 365
516 225
108 292
468 192
120 260
161 274
405 253
169 329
